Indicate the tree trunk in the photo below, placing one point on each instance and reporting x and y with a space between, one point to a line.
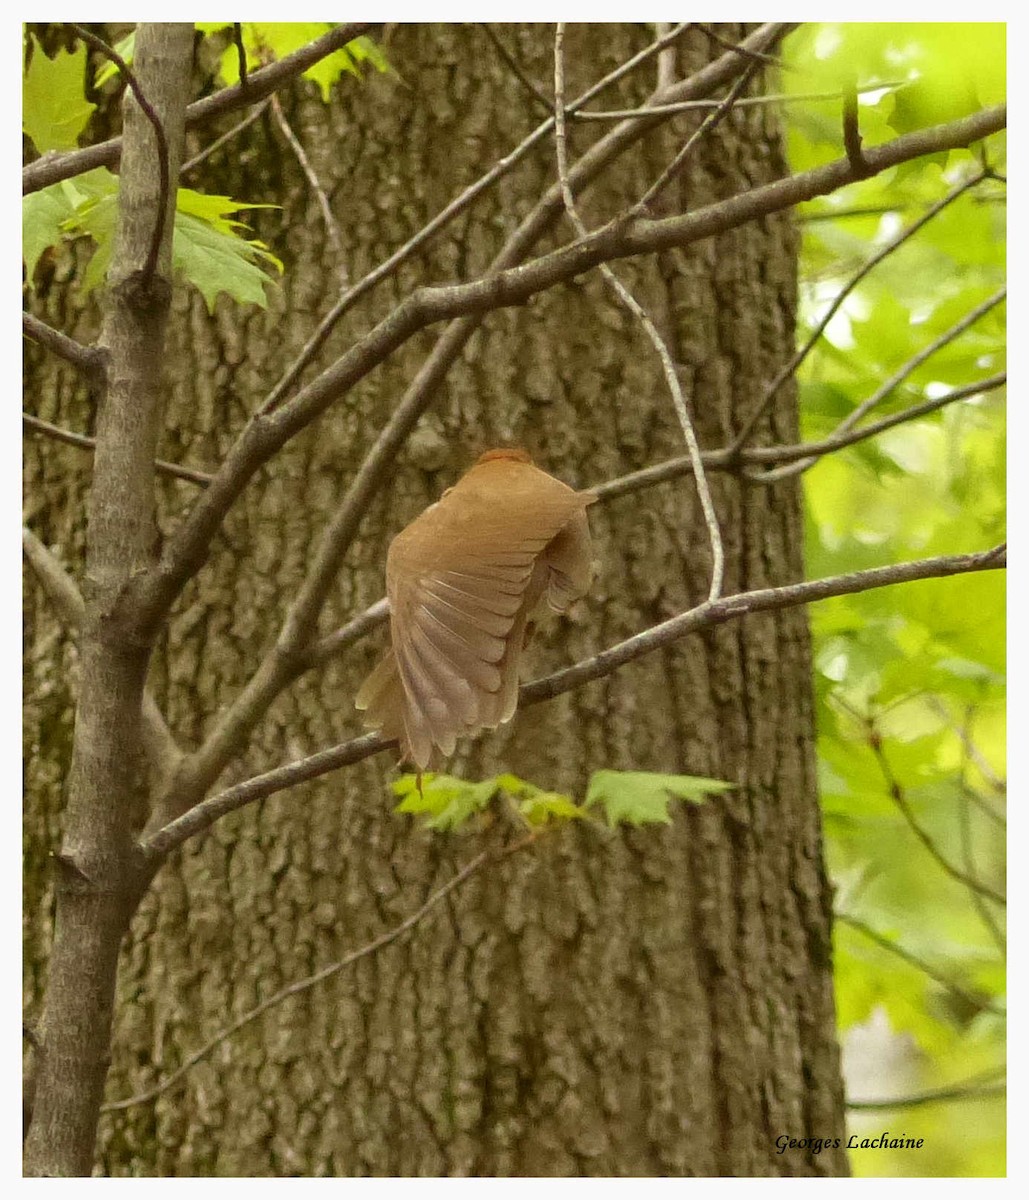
653 1002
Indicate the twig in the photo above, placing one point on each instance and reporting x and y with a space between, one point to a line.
968 864
534 90
150 266
87 359
852 129
241 54
83 442
899 798
58 585
218 142
331 225
302 985
971 749
622 114
627 298
889 248
969 1090
806 454
914 363
756 56
888 387
704 616
976 1002
159 742
46 171
458 205
710 121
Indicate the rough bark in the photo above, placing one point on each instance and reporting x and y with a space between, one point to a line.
646 1003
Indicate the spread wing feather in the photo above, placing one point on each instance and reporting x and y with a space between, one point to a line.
462 580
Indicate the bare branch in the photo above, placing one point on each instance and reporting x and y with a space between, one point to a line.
971 1089
512 64
148 110
218 142
58 585
83 442
976 1002
621 114
744 51
889 248
241 54
889 386
852 130
162 749
53 168
706 126
87 359
330 222
899 797
706 615
630 301
302 985
152 593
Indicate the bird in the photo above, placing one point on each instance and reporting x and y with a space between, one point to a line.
463 580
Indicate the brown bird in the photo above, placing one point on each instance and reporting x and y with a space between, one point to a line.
462 581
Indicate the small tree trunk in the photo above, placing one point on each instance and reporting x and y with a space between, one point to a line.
101 878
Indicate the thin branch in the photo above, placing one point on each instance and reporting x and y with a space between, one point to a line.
52 169
898 796
889 386
58 585
330 222
87 359
974 1001
150 266
83 442
512 64
975 755
458 205
902 373
63 593
806 454
756 56
883 253
706 126
241 54
770 98
968 865
705 616
627 298
852 129
217 144
302 985
970 1090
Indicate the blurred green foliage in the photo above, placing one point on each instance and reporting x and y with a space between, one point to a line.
910 680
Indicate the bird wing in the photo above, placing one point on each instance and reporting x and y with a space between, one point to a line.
460 580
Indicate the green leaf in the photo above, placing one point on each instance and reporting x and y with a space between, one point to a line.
43 214
54 109
549 806
214 261
444 800
208 249
641 797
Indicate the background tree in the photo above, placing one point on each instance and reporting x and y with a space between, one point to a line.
641 1002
